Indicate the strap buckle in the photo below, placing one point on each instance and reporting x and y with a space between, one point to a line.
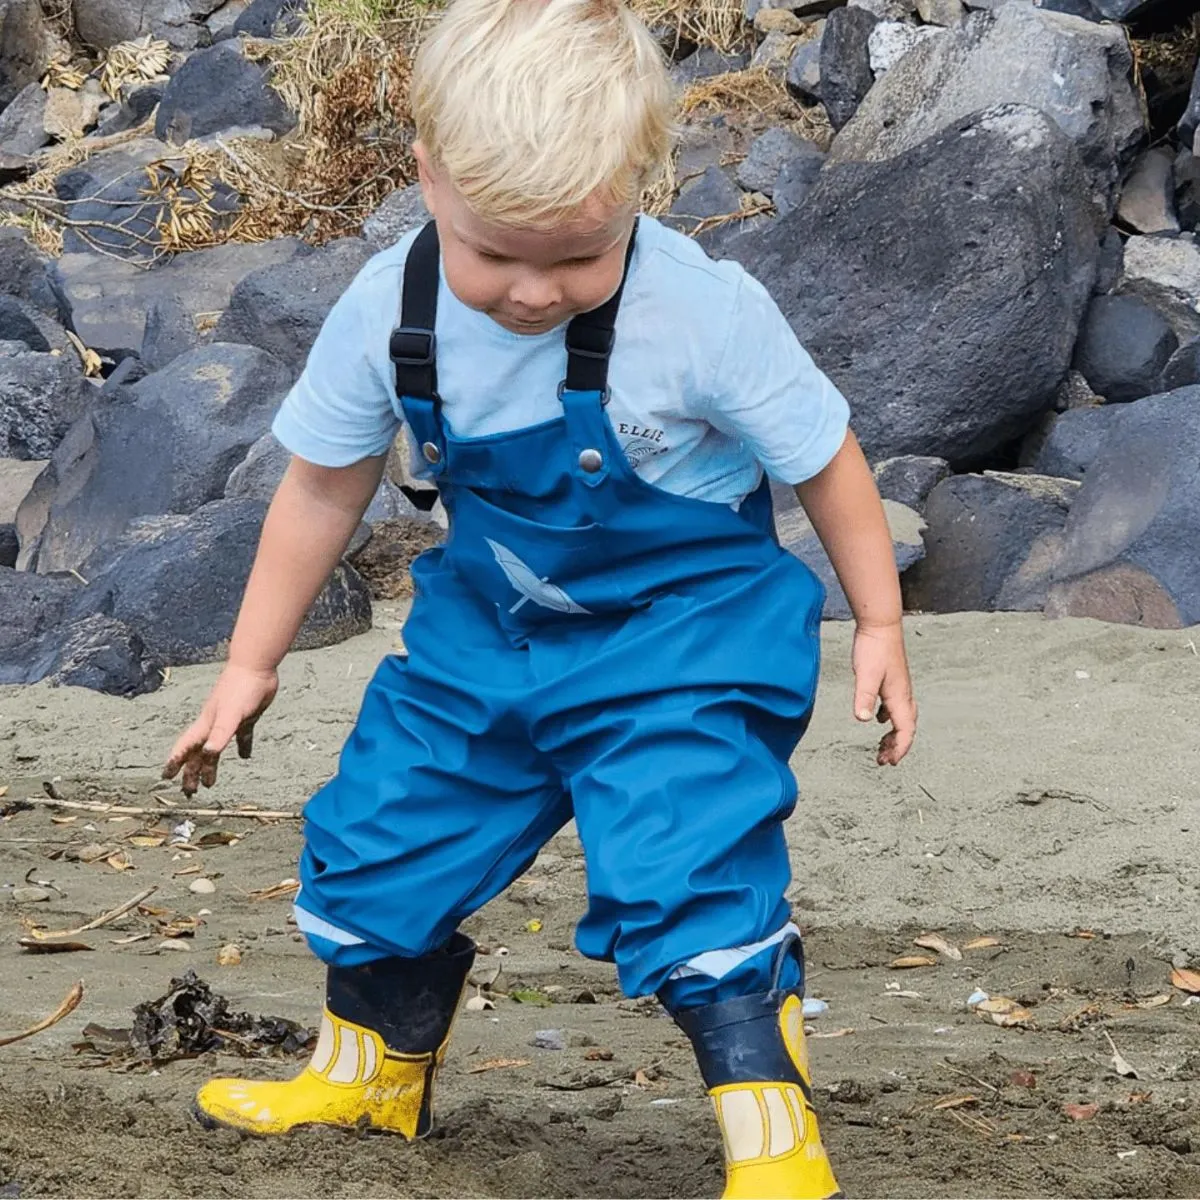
589 341
412 347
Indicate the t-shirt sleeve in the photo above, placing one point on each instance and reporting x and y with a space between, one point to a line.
340 409
769 393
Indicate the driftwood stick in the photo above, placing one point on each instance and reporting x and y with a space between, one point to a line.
104 918
129 810
68 1006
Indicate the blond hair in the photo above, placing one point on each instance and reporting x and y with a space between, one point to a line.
531 107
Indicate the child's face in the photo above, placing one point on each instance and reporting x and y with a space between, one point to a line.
527 280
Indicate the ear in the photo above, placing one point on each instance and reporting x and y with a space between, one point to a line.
426 176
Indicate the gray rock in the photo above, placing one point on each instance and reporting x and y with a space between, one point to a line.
159 579
30 895
220 24
1071 8
104 23
115 206
991 543
1075 72
17 324
1147 203
549 1039
797 177
1123 347
170 331
706 63
1112 262
707 143
941 290
846 76
890 41
15 168
25 272
21 127
797 536
713 194
1129 553
1123 10
402 211
97 653
909 479
24 46
217 89
16 479
765 159
40 396
30 606
267 18
1068 445
941 12
783 20
281 308
1191 115
672 39
774 53
166 446
10 544
1074 392
887 10
1184 368
105 301
1187 189
258 475
1166 273
803 77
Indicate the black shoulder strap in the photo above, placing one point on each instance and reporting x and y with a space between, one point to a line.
590 338
413 345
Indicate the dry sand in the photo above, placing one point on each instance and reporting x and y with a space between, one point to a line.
1053 791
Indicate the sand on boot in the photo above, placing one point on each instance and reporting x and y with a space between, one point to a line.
1049 808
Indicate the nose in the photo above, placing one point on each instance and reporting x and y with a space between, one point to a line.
534 291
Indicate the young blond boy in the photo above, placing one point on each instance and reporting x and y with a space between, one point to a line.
610 633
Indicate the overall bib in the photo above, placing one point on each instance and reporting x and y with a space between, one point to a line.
584 645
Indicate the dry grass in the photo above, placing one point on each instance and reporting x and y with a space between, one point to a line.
1173 53
756 97
718 24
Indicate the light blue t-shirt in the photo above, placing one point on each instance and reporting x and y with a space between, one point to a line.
708 383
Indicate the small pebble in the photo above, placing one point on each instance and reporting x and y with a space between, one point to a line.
976 997
814 1008
174 944
549 1039
29 895
202 887
229 955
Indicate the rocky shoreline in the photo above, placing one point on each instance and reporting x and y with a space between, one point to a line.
980 219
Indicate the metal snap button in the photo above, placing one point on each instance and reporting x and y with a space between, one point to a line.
591 461
431 452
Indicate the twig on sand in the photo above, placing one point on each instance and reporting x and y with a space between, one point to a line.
967 1075
129 810
68 1006
104 919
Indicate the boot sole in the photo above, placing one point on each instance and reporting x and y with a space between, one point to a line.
209 1122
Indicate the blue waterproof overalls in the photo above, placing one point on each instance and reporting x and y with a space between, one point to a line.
584 644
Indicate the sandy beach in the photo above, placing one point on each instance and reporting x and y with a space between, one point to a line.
1052 794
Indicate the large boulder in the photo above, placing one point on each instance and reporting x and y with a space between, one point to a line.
991 543
1123 347
941 290
1076 72
798 537
178 581
1166 272
1130 542
25 272
845 62
218 89
167 445
1147 203
402 211
281 308
22 123
24 46
30 606
103 23
1069 444
41 395
16 479
1184 368
117 200
892 40
106 301
97 653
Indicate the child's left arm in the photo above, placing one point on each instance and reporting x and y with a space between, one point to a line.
843 505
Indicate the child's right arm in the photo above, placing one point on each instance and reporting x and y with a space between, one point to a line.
307 529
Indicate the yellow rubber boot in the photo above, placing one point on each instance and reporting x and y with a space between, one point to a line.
383 1036
753 1057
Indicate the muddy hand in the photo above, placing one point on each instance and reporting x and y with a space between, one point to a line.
239 697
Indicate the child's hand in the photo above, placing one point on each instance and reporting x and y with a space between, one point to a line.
239 697
881 680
